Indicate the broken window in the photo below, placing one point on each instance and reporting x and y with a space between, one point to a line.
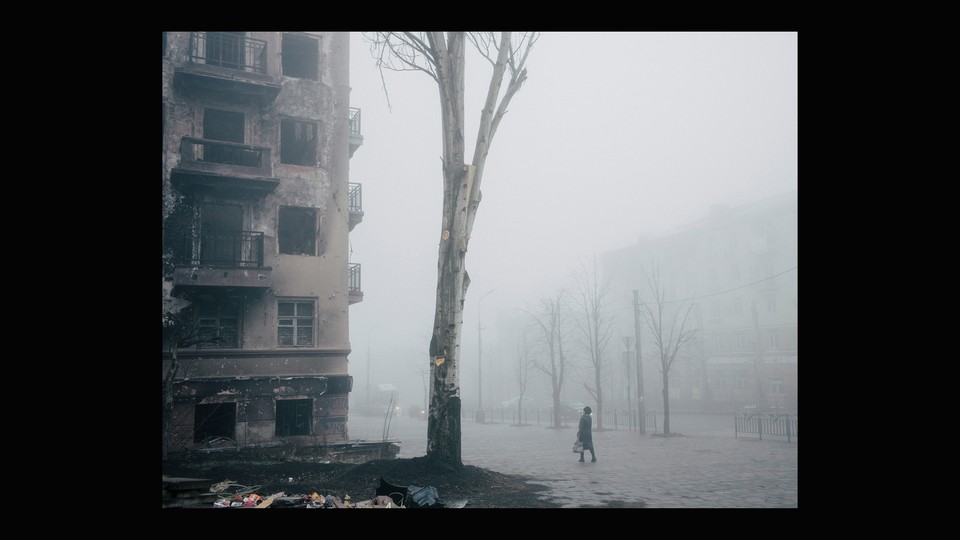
298 142
214 420
297 231
295 323
300 56
217 322
294 417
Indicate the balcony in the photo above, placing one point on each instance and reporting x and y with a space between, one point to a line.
355 203
355 293
356 137
211 258
227 65
221 167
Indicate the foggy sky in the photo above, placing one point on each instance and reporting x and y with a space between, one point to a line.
614 136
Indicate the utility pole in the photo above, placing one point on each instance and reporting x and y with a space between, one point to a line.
636 330
758 363
626 363
480 417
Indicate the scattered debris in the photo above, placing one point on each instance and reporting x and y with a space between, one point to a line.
387 496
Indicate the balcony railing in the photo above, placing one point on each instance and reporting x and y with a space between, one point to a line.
354 278
355 197
355 122
225 153
356 138
355 204
237 249
228 50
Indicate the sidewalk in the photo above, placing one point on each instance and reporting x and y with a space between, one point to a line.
702 466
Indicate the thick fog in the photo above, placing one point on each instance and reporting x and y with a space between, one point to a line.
614 137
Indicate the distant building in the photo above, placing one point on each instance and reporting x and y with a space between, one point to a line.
741 265
257 136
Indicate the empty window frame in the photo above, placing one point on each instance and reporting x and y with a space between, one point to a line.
294 417
300 56
297 231
218 322
295 323
298 142
214 420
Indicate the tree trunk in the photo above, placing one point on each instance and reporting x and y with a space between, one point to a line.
666 402
596 378
443 426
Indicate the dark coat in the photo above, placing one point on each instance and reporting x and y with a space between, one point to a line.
584 433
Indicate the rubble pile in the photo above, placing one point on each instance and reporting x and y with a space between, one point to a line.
387 496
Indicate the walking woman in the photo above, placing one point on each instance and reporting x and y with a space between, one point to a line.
585 434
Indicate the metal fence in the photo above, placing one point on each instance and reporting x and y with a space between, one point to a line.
760 424
612 419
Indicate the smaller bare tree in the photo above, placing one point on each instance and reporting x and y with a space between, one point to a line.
550 322
595 327
672 330
522 369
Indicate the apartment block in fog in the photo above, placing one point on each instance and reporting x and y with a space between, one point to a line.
740 264
257 136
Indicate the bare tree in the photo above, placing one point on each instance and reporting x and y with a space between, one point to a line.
522 368
179 331
550 321
595 327
441 56
672 330
423 370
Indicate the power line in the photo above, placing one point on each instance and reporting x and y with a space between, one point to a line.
722 292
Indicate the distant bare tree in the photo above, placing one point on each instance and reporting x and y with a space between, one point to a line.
550 321
595 327
440 55
522 368
671 328
423 370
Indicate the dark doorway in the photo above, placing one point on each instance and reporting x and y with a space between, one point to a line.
225 126
225 49
221 236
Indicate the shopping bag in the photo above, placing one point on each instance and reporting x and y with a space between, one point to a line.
578 447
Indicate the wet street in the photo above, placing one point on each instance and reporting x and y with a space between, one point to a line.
701 466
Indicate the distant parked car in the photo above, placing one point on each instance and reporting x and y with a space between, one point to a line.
575 407
416 411
512 403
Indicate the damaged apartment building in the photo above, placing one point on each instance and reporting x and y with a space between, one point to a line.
257 209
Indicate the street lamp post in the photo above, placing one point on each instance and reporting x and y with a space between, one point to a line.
480 417
368 365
